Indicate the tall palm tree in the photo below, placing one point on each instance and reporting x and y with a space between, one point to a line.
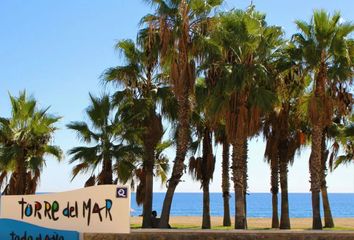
329 223
221 138
283 128
107 137
247 44
271 155
325 47
343 110
24 144
340 134
180 24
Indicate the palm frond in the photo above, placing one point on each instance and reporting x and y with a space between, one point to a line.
83 131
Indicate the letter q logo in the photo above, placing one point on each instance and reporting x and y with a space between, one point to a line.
122 192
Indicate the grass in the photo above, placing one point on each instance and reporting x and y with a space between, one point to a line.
339 229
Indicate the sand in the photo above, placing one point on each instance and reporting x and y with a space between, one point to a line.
253 223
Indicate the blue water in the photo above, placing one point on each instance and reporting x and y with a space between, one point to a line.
258 204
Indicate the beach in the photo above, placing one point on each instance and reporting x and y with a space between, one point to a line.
253 223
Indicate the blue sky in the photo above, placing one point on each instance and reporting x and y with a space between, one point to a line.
57 50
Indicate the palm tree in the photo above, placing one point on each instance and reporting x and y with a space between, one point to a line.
344 137
283 128
271 155
24 144
242 91
143 89
202 168
180 24
329 223
325 48
107 137
221 138
142 115
340 133
132 169
344 102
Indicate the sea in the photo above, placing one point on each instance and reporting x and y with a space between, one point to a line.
259 205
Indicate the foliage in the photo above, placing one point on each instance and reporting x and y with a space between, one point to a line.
108 139
25 143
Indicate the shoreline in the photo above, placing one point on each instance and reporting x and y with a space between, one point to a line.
253 223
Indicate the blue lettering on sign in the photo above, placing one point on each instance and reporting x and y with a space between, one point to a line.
16 230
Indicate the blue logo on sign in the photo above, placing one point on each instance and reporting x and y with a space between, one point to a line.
13 230
122 192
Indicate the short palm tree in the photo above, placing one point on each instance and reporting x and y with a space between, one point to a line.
107 139
344 136
24 144
135 164
326 52
202 168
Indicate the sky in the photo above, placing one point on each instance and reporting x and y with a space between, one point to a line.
57 51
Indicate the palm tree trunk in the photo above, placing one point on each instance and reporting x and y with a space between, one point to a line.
275 217
208 167
206 224
106 175
238 175
329 223
325 201
315 172
19 188
21 181
148 197
274 163
226 182
283 155
245 177
318 125
284 217
152 135
178 167
107 171
316 215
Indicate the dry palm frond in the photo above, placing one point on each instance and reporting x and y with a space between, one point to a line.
140 193
194 167
140 190
242 122
91 181
334 154
3 177
254 121
12 184
32 181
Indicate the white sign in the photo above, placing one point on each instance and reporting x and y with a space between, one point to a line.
98 209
